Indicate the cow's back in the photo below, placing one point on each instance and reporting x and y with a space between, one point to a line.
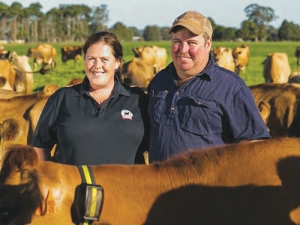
276 68
246 183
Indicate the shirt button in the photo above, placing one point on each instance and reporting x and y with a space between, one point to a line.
172 108
199 103
177 93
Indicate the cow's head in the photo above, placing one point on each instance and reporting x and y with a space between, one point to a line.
20 195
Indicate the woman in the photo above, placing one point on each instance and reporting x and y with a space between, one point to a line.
101 120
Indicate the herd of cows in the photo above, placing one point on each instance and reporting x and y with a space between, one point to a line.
245 183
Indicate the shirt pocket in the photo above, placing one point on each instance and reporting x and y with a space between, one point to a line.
195 115
156 104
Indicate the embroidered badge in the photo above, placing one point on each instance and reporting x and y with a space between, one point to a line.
126 114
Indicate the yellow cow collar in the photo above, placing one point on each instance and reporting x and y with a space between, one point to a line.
88 197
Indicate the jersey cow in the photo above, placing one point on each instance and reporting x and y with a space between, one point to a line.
246 183
7 75
279 105
24 76
136 72
276 68
4 54
155 56
14 117
44 54
71 53
223 57
241 56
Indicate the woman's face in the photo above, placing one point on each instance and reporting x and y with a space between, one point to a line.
100 65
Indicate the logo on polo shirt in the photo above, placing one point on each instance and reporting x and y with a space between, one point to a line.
126 114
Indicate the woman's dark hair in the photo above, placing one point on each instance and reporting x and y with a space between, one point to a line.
107 38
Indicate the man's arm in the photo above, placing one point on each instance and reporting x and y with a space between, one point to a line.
43 153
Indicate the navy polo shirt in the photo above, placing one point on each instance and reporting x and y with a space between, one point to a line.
89 134
213 108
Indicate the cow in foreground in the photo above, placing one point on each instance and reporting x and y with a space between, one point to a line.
279 105
246 183
276 68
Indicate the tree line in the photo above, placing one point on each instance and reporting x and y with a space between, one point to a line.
74 23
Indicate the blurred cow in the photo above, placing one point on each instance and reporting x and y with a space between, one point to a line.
223 57
245 183
155 56
297 54
136 72
44 54
279 105
71 53
74 81
241 56
7 75
4 54
24 74
276 68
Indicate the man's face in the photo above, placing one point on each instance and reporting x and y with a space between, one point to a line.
190 53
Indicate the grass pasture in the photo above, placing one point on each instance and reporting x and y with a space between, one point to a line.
253 74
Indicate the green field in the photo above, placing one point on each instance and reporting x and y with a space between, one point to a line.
253 75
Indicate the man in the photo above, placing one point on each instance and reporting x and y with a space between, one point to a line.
194 103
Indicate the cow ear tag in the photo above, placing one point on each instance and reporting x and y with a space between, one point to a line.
50 202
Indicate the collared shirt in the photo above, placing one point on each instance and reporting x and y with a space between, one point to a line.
213 108
89 134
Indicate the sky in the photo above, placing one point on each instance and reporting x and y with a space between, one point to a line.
161 13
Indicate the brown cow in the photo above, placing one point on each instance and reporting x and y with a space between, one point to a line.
14 113
297 54
7 75
44 54
4 54
24 77
155 56
74 81
276 68
223 57
241 56
246 183
136 72
279 106
71 53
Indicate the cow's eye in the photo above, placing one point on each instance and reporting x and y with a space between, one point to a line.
5 217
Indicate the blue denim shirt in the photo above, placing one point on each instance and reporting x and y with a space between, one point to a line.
213 108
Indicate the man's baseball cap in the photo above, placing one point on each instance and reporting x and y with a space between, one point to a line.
194 22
